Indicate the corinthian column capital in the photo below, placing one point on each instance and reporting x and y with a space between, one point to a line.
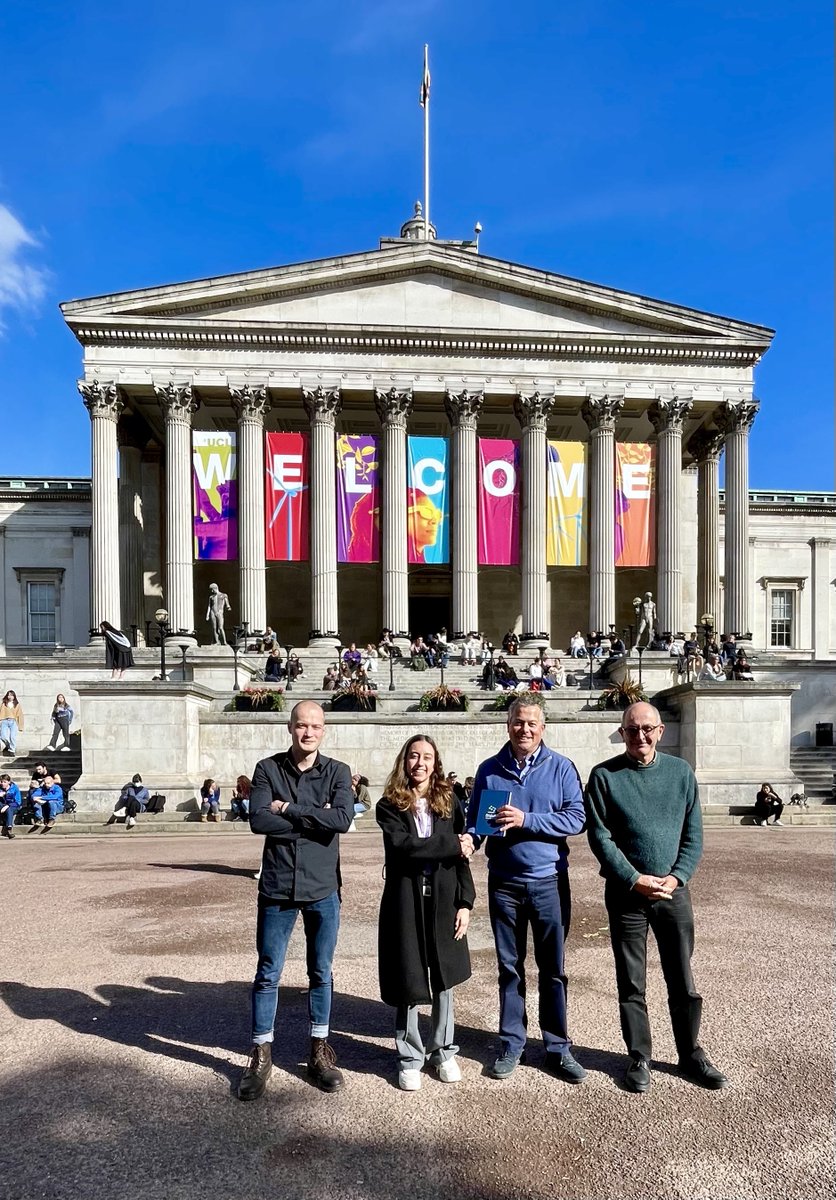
706 445
669 413
601 412
736 416
532 411
250 403
463 408
178 401
102 399
322 404
393 407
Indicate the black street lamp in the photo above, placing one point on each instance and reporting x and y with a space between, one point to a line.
491 669
161 617
238 633
391 670
707 622
640 651
288 670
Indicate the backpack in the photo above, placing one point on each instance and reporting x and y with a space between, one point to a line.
156 804
70 805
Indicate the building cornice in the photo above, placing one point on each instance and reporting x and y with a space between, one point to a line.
428 341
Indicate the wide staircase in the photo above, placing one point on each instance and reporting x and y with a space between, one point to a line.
815 766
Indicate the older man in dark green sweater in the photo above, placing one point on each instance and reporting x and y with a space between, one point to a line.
645 828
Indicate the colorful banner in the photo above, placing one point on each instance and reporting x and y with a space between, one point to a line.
427 500
286 500
498 498
215 496
566 505
635 504
358 498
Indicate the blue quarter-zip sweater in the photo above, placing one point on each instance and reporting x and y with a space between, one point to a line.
551 798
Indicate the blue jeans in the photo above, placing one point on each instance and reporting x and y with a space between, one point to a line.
8 732
47 809
276 919
11 812
513 906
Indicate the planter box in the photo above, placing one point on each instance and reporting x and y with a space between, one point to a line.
352 704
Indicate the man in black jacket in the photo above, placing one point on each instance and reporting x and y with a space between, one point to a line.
301 801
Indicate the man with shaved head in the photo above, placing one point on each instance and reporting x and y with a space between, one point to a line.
645 828
301 802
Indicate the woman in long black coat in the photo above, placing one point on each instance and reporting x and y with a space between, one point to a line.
425 909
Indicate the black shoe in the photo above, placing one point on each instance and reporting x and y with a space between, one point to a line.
506 1065
322 1066
7 832
637 1075
565 1067
701 1070
256 1073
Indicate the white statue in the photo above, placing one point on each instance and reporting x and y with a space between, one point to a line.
647 620
218 605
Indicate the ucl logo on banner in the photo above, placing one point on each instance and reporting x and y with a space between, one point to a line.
215 498
427 500
358 498
287 497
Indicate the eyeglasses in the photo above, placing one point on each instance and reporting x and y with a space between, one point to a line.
635 730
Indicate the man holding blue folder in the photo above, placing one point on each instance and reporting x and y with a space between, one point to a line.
526 800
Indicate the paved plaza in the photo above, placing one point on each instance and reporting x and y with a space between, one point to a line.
124 1022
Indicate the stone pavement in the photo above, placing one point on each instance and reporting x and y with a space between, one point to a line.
126 965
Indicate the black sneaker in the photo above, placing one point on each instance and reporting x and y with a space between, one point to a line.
701 1070
506 1065
565 1067
637 1075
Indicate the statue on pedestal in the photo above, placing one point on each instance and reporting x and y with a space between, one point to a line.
646 617
218 605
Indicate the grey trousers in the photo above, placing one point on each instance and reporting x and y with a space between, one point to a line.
411 1052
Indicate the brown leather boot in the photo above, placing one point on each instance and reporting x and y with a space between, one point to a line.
322 1066
256 1073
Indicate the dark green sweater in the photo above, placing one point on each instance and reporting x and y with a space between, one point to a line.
644 820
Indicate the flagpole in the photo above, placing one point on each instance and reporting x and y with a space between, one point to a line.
426 107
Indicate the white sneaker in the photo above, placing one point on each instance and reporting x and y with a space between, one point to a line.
131 821
409 1081
777 822
449 1071
65 749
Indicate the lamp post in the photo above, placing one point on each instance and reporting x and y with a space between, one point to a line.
161 617
707 622
591 669
491 669
287 651
391 670
640 651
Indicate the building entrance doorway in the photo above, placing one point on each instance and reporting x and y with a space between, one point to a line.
429 614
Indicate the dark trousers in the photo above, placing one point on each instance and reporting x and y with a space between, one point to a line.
764 809
672 922
513 906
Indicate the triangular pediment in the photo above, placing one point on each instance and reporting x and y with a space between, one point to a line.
414 286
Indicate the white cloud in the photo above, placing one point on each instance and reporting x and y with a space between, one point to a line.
22 284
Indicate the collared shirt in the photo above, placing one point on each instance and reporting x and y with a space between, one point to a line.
301 859
521 766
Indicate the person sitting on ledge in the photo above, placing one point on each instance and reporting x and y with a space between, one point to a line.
511 643
133 798
329 679
577 645
48 803
713 671
741 668
768 804
240 802
10 802
273 666
210 801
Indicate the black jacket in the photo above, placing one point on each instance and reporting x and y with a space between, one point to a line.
417 958
301 858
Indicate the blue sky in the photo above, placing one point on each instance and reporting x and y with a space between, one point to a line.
677 150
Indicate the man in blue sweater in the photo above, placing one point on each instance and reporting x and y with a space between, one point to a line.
645 829
527 881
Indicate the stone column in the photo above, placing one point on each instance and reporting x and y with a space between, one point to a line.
600 414
322 406
735 420
104 403
131 436
667 416
532 412
251 406
393 409
822 598
705 447
178 401
463 410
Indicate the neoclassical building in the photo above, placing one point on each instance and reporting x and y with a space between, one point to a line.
418 339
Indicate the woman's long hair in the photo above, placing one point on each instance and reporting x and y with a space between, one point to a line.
14 700
398 791
243 785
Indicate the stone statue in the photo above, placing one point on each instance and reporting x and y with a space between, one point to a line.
646 612
218 605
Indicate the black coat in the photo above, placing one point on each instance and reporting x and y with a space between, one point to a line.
417 958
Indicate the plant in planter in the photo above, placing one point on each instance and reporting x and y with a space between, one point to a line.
444 699
259 700
621 695
503 700
354 697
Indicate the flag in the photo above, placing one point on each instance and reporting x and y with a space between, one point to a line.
424 96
